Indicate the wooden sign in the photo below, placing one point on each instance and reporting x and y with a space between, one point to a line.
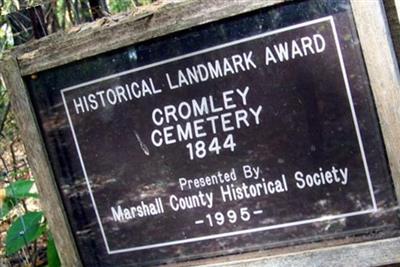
261 131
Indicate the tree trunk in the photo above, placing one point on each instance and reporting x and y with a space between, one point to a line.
98 8
69 10
23 4
51 17
85 11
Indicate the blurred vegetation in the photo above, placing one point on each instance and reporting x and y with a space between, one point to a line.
25 239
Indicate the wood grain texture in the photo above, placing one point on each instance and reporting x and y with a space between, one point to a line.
363 254
350 252
38 160
112 33
384 76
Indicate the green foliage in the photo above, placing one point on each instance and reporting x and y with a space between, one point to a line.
15 192
23 231
145 2
5 32
8 6
20 189
52 255
120 6
5 40
27 227
6 207
3 99
125 5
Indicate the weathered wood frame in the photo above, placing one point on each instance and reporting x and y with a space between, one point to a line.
172 16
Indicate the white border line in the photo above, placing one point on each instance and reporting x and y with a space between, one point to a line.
353 111
176 242
84 173
247 231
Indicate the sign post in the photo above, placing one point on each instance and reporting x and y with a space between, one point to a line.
267 130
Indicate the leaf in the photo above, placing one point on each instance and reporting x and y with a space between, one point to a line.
21 189
52 256
23 231
6 207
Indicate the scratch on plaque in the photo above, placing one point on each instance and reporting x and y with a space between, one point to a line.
142 145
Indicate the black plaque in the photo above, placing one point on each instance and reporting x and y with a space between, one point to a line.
254 132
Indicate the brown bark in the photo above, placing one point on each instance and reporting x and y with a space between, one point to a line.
51 17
